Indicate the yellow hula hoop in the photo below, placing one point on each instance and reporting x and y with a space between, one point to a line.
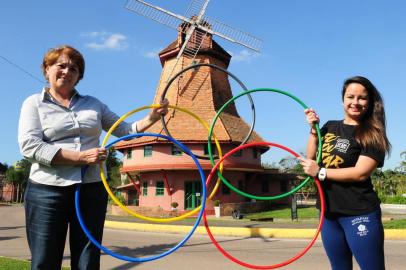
126 209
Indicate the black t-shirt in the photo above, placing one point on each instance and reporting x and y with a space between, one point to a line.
341 150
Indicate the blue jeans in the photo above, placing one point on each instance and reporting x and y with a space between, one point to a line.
50 211
359 236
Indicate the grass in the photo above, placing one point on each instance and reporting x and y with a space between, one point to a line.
302 212
311 213
395 224
14 264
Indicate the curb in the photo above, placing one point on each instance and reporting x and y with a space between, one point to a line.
390 234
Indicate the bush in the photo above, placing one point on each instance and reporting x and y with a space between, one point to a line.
119 197
174 204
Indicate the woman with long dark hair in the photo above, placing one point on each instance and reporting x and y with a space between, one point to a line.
352 149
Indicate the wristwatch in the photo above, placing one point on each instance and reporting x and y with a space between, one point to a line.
322 174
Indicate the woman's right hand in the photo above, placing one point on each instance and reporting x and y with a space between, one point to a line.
312 117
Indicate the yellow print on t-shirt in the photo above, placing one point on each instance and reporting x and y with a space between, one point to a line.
329 160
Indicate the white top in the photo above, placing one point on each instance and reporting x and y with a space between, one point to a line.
45 126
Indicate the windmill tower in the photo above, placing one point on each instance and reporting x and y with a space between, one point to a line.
195 26
155 162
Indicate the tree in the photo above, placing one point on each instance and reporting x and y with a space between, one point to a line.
17 175
291 165
288 164
3 168
268 165
389 183
403 162
113 165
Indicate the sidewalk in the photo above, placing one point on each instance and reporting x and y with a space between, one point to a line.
226 226
197 253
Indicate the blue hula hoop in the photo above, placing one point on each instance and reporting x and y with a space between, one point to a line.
181 243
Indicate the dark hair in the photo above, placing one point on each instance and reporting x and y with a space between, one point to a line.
53 54
371 130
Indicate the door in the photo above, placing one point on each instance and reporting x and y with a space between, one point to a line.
193 193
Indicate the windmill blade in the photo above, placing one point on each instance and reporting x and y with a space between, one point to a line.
197 8
183 48
156 13
174 20
194 26
231 34
194 43
190 47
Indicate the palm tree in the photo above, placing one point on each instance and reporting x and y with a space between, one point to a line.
403 162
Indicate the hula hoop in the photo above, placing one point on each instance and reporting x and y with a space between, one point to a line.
115 199
240 192
133 259
228 73
294 258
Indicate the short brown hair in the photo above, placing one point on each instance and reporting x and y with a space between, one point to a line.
53 54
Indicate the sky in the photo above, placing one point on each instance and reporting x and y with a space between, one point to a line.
309 48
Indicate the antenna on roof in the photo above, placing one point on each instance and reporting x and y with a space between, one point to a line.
194 24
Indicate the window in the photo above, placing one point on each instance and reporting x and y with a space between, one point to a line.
159 191
284 185
241 185
225 190
238 153
213 149
255 153
147 150
176 150
145 189
264 186
129 153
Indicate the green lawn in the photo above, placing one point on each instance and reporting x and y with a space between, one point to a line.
395 224
14 264
311 213
302 212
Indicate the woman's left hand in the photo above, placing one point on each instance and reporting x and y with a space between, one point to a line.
310 166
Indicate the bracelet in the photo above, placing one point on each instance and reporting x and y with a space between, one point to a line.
313 133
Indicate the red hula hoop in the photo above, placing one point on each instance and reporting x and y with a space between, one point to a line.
294 258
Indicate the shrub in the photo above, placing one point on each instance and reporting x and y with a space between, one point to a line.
119 197
216 203
174 204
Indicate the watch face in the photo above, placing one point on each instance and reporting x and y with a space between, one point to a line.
322 174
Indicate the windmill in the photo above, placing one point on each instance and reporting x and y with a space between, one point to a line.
195 25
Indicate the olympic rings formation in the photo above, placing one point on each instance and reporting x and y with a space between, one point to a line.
301 253
196 66
228 183
133 259
217 167
117 201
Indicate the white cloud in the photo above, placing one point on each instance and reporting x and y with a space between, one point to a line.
106 41
153 53
243 56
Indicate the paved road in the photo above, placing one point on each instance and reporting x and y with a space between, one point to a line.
198 253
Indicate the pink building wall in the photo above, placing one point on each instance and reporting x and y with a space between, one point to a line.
162 157
174 170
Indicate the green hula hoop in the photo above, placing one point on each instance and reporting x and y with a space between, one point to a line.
227 183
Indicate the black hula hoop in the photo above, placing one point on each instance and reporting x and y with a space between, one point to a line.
228 73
